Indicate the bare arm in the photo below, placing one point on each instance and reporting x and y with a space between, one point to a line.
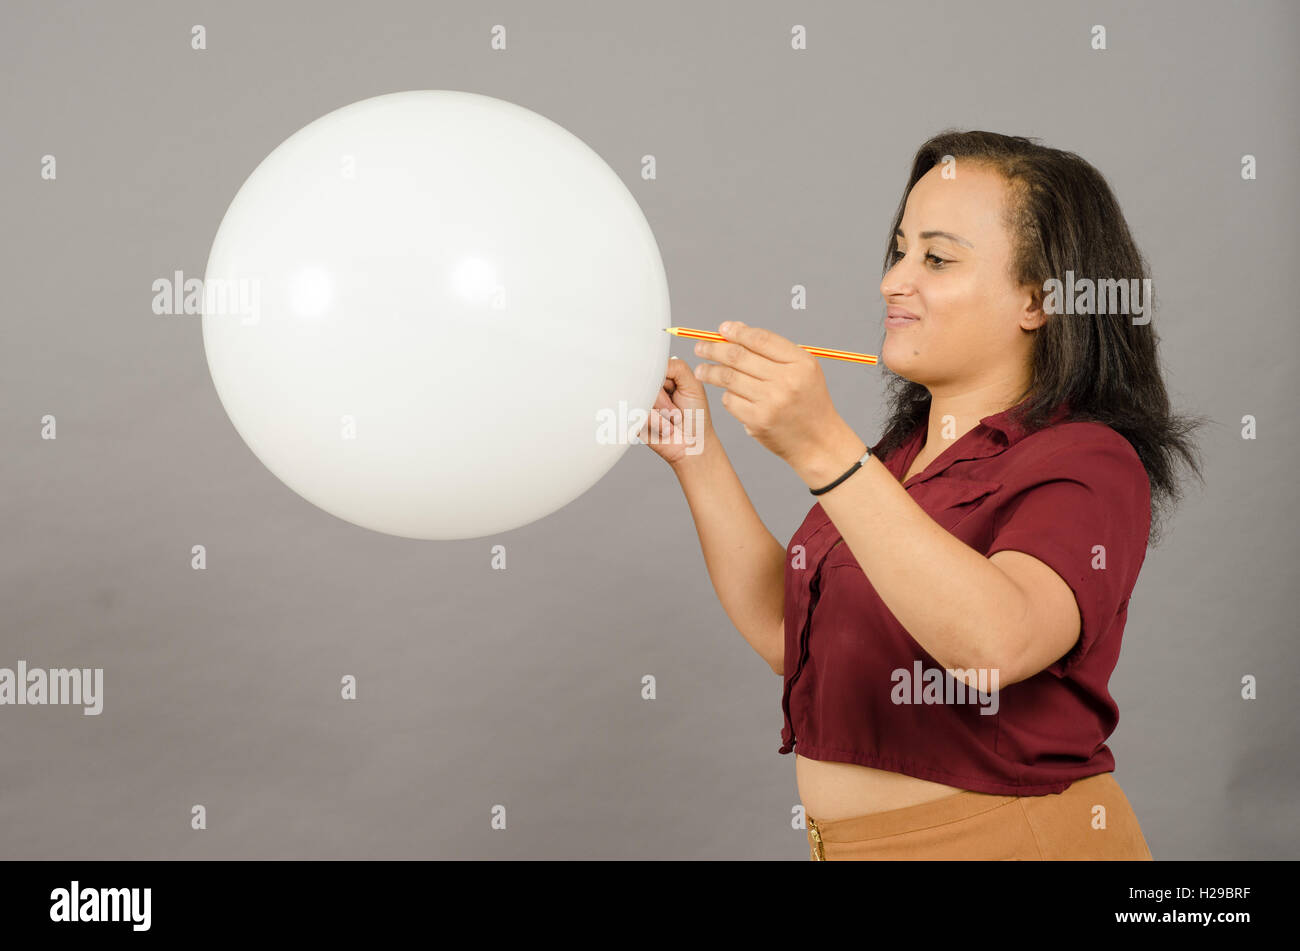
745 561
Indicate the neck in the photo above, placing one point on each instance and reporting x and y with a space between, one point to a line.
955 412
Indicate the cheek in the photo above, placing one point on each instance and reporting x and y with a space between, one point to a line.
982 317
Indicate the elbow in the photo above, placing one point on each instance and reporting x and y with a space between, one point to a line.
986 666
1002 654
999 665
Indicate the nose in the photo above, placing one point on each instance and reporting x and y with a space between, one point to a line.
897 281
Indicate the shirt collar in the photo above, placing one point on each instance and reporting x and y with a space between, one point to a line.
1011 427
991 436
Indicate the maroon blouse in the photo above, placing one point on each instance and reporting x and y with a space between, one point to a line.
1073 495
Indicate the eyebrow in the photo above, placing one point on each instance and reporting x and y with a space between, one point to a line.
939 234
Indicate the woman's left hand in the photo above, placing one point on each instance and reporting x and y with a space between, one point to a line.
774 387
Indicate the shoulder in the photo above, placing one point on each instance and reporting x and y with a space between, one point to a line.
1080 433
1082 448
1068 485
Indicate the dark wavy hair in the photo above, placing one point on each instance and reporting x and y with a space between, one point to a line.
1063 217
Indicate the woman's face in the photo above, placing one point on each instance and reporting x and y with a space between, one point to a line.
951 270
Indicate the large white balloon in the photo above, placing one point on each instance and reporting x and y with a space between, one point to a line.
419 309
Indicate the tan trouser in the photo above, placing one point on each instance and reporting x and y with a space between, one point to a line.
972 825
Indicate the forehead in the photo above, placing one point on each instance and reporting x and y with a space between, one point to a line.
971 204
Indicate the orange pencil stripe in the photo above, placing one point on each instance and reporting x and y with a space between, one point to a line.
846 355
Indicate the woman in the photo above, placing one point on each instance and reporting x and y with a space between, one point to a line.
947 617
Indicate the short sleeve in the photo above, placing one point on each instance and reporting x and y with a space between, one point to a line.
1083 508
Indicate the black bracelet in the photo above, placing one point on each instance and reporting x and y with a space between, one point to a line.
852 469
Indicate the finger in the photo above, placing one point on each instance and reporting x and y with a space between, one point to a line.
730 379
664 402
660 425
659 418
740 408
765 343
666 410
681 378
734 355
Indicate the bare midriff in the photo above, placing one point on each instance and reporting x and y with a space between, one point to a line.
830 790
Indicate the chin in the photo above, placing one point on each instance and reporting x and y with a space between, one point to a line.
899 357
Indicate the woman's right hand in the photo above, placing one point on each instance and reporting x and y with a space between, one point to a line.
689 435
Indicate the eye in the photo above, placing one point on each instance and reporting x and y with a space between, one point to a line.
939 262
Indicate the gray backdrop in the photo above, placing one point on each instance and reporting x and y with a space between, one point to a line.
522 687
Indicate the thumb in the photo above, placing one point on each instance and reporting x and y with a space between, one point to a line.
684 380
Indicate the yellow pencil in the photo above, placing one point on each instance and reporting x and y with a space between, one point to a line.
848 355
